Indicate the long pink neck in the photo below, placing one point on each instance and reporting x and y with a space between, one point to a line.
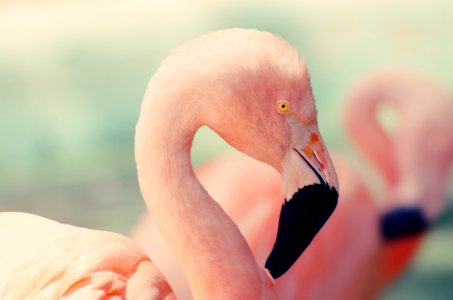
215 256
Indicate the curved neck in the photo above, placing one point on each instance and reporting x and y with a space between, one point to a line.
421 144
215 257
360 118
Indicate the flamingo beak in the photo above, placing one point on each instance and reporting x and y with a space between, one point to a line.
310 188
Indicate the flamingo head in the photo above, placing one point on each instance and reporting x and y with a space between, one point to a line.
254 90
258 97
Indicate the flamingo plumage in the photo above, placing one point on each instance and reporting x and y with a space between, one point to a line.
44 259
254 90
350 255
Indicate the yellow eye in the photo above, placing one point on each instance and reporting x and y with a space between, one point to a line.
282 106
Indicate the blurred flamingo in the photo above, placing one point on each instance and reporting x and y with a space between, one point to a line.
414 158
366 244
253 89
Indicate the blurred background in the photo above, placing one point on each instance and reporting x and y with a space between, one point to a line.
72 74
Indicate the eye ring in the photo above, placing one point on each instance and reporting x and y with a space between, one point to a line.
282 106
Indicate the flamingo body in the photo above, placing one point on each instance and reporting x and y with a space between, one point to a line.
44 259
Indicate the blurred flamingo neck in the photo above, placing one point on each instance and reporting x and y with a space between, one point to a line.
360 118
215 256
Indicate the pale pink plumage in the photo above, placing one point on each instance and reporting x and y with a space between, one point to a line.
44 259
230 81
347 260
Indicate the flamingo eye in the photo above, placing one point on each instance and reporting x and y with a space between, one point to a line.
282 106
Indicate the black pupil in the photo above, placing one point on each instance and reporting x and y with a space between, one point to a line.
283 105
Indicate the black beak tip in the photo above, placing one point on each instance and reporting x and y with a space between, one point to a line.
403 222
300 220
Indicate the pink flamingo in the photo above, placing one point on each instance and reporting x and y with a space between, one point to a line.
252 88
361 249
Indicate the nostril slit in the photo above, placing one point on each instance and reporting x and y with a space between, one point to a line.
317 158
321 165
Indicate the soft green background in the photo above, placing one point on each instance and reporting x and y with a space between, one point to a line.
72 75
